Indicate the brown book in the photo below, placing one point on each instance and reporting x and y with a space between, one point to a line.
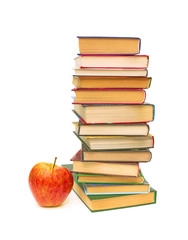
109 45
102 168
111 82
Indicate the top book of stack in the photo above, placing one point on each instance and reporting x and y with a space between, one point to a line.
109 45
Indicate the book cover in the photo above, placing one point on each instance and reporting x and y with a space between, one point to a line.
103 82
106 45
99 132
80 110
89 140
93 178
110 188
124 169
107 96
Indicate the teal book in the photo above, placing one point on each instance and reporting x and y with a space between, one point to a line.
112 201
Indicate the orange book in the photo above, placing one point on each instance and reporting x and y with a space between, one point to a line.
111 82
109 45
109 96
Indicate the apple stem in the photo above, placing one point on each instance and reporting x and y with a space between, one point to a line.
54 162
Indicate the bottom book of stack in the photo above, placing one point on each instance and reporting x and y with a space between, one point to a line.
106 192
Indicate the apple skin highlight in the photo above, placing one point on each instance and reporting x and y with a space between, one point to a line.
49 184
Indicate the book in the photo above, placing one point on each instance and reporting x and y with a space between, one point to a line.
111 82
111 201
119 155
109 96
103 168
117 142
112 61
138 155
108 188
141 113
134 129
111 72
92 178
109 45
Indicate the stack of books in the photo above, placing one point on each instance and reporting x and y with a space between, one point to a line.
110 78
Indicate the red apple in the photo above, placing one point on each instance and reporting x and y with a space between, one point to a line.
50 184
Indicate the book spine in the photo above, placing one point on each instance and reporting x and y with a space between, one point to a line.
82 155
139 47
153 112
148 129
150 82
144 96
79 128
147 60
138 170
153 141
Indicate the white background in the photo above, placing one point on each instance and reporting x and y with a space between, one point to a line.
37 46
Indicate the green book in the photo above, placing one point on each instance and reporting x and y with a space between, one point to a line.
111 201
111 143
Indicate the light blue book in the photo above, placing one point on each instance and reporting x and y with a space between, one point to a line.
106 188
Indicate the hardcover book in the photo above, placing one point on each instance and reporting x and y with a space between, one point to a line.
111 82
109 96
103 168
93 178
108 188
112 61
112 201
117 142
113 113
139 129
123 155
108 202
109 45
